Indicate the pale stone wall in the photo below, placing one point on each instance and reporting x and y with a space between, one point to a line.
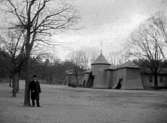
117 75
133 79
100 76
109 78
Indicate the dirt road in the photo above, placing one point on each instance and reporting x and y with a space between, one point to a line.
77 105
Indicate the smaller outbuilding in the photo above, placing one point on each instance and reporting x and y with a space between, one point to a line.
125 76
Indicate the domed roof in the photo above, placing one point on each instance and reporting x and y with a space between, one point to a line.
101 60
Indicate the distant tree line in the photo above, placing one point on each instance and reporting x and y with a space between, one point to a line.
48 72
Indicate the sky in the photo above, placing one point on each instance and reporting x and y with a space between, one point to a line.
105 24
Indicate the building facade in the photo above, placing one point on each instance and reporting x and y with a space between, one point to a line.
125 76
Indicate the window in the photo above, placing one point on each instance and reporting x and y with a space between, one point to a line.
150 79
165 78
161 79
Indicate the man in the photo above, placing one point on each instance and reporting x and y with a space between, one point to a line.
35 90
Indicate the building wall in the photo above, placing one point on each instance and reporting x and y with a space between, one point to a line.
100 76
162 81
85 79
117 75
133 79
109 78
148 81
72 81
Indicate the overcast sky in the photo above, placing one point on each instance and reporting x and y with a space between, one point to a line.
105 24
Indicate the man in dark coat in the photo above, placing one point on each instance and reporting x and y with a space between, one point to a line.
35 90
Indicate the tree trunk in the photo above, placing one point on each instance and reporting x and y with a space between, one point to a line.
155 80
10 82
27 80
17 85
77 81
28 49
14 84
13 87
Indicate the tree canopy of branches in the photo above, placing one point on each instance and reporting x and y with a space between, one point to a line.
148 46
80 58
35 20
47 71
12 44
80 61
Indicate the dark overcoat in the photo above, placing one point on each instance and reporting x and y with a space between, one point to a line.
35 89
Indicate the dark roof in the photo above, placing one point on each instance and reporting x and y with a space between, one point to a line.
87 71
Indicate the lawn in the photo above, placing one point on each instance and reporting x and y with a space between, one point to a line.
61 104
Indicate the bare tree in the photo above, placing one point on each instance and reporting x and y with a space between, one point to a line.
80 60
91 53
37 19
160 22
13 45
147 46
118 57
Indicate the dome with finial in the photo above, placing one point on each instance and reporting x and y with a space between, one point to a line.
101 60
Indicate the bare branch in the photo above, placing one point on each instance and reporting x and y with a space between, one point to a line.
15 11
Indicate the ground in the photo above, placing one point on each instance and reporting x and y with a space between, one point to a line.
61 104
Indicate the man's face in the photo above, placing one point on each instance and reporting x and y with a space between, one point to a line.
34 78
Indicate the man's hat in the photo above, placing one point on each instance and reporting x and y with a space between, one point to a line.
34 75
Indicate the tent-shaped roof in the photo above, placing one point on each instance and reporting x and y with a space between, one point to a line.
100 60
128 64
